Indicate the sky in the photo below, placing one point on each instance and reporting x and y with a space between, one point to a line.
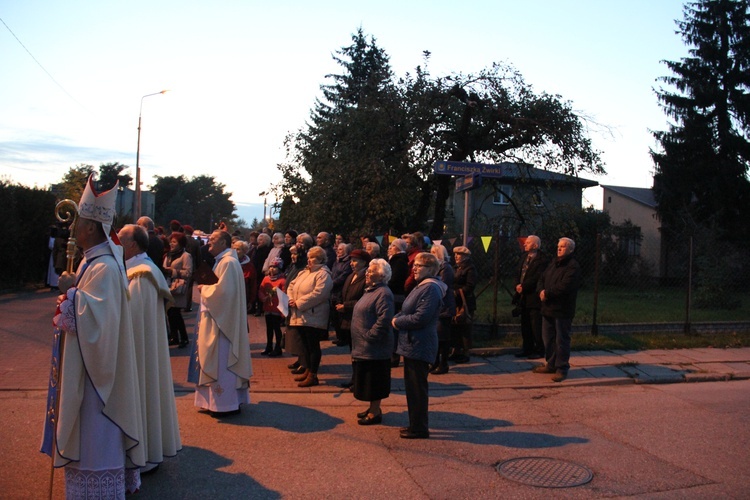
244 74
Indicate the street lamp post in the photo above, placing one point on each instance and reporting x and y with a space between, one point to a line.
137 209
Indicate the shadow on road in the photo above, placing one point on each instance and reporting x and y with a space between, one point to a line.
284 417
195 473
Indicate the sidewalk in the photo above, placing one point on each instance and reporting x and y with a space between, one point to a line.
496 368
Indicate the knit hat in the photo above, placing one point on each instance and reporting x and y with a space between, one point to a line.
360 254
462 250
277 263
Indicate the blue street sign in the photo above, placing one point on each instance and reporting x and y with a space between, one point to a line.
464 168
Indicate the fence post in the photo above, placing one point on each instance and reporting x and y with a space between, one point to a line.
689 297
597 260
496 284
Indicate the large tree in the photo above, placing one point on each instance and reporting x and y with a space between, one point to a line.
109 173
348 169
701 166
364 161
199 201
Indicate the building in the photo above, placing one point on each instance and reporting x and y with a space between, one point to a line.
637 205
514 197
125 204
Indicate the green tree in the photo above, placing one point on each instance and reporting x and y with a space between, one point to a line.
364 162
74 182
200 201
348 170
109 173
701 166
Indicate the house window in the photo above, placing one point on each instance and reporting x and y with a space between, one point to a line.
631 244
503 194
536 198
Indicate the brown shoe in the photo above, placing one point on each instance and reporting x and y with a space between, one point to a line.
310 381
559 376
300 378
543 369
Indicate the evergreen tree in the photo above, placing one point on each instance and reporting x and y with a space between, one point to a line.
701 168
346 168
364 163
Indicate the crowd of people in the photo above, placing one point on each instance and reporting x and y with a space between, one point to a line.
123 307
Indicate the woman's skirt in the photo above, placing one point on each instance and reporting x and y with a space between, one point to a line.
372 379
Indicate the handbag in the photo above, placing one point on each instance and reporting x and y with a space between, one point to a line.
178 286
462 316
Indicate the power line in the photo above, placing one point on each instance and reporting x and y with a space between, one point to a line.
40 65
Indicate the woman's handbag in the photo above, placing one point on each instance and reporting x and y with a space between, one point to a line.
178 286
462 316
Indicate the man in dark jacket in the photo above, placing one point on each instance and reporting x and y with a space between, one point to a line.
533 264
558 289
155 249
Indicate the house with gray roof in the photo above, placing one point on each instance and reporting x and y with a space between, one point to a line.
637 205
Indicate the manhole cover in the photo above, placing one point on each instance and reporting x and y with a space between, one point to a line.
544 472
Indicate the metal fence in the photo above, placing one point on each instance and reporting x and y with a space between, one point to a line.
693 286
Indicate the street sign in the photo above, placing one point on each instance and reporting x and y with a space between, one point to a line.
464 168
467 182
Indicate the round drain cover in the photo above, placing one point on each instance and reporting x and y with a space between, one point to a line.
544 472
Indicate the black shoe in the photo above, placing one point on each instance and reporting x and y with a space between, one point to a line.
293 366
266 352
275 353
173 342
368 420
220 414
535 355
409 434
439 370
184 343
522 354
257 313
363 414
299 370
462 358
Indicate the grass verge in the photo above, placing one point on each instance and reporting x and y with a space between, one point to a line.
635 342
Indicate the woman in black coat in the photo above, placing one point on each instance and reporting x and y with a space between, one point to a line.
465 280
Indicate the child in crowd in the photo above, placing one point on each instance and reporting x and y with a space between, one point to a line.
267 296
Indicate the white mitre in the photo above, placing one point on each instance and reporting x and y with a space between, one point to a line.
101 208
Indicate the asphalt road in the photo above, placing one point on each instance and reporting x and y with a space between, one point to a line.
638 440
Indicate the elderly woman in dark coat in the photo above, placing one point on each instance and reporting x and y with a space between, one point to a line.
464 283
372 342
418 341
440 366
